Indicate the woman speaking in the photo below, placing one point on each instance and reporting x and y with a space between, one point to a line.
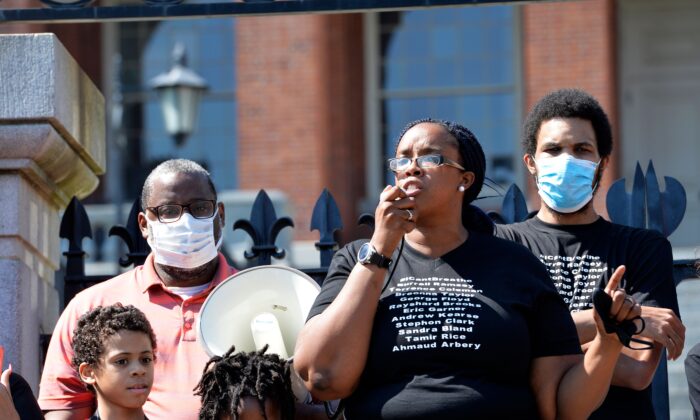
436 318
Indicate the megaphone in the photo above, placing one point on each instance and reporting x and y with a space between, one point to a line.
254 307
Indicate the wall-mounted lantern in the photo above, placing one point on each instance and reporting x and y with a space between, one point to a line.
180 91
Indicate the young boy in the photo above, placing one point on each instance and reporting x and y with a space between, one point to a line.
114 350
246 386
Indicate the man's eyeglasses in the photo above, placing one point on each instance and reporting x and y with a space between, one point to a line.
169 213
423 162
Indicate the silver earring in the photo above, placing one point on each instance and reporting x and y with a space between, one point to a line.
461 188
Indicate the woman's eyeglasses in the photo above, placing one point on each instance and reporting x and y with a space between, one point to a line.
423 162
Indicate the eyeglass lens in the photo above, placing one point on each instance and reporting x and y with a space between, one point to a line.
198 210
426 161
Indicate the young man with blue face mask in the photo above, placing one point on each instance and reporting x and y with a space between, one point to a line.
182 221
568 141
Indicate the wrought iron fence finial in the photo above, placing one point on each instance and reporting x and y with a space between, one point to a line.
131 235
326 219
263 227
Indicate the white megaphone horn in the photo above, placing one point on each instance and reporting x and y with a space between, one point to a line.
258 306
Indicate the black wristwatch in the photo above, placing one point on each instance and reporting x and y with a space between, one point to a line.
368 255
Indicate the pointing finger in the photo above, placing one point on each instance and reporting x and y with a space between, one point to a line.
615 279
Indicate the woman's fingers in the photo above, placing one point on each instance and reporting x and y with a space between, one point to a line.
388 191
5 379
394 216
397 196
7 407
395 204
392 193
407 218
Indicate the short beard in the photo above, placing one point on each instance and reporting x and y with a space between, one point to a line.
177 273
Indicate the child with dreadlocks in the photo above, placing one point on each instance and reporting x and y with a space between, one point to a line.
246 386
114 350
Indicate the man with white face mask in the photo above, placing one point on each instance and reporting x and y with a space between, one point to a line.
183 223
568 141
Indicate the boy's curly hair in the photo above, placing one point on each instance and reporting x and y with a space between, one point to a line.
96 326
229 378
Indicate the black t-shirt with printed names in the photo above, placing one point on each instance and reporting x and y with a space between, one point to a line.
454 337
581 258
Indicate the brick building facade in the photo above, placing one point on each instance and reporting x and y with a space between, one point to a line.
301 93
304 94
315 105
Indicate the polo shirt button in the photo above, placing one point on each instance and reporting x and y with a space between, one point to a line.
188 325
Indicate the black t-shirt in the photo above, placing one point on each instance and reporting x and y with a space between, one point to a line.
454 337
581 258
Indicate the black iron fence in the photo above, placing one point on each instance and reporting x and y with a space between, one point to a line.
645 206
263 227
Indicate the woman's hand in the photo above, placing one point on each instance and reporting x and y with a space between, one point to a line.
331 350
7 407
394 217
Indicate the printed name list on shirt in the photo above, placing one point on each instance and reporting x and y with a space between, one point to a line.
435 312
575 277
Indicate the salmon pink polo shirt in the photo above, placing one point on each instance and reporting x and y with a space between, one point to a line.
180 358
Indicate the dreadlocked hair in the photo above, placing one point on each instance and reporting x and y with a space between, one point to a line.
473 160
229 378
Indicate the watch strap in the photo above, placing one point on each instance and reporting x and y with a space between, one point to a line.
379 260
373 257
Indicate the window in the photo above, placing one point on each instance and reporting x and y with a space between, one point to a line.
458 64
211 53
137 52
146 51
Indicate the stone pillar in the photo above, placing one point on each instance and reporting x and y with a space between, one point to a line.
52 147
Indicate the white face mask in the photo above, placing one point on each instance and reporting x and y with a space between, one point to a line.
186 243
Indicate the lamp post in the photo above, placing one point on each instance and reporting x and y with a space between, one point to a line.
180 90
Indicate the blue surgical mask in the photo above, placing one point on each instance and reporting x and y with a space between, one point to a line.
565 183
